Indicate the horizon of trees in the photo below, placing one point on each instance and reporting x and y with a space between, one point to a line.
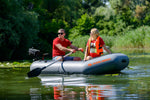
34 23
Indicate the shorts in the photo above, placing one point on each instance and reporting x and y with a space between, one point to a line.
65 59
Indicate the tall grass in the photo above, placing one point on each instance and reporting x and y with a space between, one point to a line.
147 37
109 40
138 38
80 42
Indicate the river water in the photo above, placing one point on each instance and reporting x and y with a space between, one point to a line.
132 83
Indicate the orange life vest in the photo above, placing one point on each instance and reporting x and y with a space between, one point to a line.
98 46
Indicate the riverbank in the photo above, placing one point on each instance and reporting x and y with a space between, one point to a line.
14 64
130 52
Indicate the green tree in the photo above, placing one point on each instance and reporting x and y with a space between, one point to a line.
90 6
108 22
18 28
83 26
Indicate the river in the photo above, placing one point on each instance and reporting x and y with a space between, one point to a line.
132 83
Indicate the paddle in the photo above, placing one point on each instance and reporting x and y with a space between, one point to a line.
35 72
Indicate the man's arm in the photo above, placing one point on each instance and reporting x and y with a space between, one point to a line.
76 48
73 47
62 48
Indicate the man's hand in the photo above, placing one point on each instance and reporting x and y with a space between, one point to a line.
80 49
72 50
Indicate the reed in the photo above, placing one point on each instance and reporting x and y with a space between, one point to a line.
134 39
138 38
80 42
147 37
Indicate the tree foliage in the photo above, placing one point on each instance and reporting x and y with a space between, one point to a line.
83 26
18 28
27 23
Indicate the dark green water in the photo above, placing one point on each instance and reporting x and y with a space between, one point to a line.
133 83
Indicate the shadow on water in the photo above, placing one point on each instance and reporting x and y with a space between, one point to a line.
132 83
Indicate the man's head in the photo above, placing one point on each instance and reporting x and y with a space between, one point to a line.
61 33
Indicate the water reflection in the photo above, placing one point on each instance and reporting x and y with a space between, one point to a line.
90 92
73 88
132 84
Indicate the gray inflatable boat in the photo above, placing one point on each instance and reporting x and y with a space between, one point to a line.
110 63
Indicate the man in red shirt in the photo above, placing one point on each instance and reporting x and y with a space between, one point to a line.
60 45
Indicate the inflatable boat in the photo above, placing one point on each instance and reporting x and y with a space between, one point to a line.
110 63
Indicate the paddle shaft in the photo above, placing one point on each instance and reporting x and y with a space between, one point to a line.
35 72
57 60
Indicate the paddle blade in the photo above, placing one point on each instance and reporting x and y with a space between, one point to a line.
35 72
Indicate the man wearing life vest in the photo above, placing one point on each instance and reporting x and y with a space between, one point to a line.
95 45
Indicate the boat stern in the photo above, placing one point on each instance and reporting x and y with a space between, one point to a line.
106 64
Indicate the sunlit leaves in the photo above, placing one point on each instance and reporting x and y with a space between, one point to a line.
105 12
83 26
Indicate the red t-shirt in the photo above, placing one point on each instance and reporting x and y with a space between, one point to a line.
56 51
93 51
